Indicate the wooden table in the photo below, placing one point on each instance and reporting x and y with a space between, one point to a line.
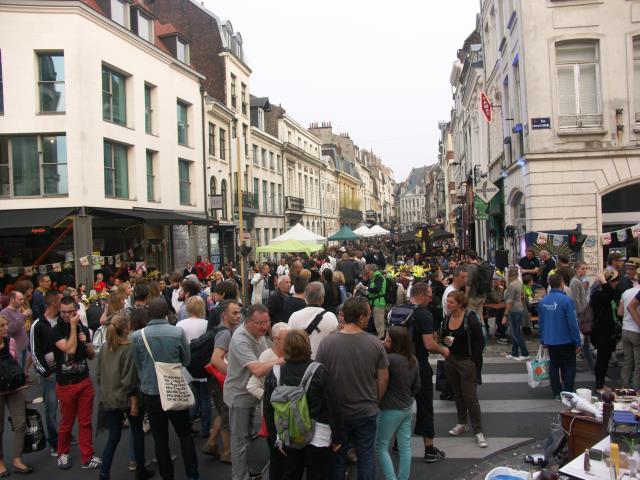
584 431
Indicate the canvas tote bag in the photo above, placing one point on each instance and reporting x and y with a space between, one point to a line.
174 390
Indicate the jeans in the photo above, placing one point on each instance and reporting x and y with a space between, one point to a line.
424 402
501 330
113 420
76 400
396 422
562 360
310 462
203 402
159 420
241 420
21 357
50 408
517 340
361 433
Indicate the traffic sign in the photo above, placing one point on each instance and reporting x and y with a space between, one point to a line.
485 190
486 107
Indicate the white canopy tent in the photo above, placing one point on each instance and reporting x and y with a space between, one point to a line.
364 231
301 234
377 230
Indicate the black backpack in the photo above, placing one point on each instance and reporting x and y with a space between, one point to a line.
201 349
391 293
402 316
484 277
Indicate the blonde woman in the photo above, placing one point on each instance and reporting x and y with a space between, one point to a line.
513 313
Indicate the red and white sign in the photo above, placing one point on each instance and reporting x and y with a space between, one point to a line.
486 107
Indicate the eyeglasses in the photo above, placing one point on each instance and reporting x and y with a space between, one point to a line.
67 312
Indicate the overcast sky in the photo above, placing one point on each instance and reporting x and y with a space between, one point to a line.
376 69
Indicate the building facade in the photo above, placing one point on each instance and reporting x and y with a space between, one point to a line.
412 196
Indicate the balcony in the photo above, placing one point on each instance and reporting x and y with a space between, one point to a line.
293 204
350 215
249 202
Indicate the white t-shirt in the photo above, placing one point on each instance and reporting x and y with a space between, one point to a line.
193 328
627 320
282 270
446 293
255 386
302 318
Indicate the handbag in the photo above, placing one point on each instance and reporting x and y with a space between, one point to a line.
34 438
538 369
175 393
12 375
441 377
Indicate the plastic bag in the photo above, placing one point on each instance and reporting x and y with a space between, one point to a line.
538 369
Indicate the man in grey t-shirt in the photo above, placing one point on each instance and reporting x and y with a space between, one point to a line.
247 343
358 366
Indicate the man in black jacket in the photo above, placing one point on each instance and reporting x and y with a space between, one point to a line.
44 363
275 304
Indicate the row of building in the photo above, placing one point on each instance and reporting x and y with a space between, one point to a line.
545 124
129 132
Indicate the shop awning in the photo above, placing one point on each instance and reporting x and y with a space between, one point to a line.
34 217
158 217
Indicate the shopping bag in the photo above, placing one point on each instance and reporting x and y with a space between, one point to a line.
538 369
441 377
34 438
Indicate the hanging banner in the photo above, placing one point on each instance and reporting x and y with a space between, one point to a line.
606 239
42 269
542 238
590 241
109 260
558 240
68 256
57 267
84 261
28 271
486 107
622 235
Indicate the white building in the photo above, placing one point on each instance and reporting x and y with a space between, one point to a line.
412 200
104 133
329 198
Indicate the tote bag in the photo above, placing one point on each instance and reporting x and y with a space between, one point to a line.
538 370
174 390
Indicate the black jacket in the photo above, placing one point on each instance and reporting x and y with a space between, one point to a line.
604 314
320 398
42 344
275 304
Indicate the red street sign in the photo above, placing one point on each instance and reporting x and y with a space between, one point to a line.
486 107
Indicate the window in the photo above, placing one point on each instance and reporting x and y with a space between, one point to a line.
185 185
119 12
256 186
223 192
183 126
279 210
578 71
273 198
148 108
1 87
51 82
116 170
233 91
222 153
150 178
255 155
212 139
114 105
264 196
234 128
279 162
636 79
243 98
33 165
263 158
260 119
144 26
245 138
182 51
272 163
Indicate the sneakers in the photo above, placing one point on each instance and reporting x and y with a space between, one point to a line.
132 466
432 454
53 451
511 357
523 358
482 443
459 429
64 462
503 341
92 463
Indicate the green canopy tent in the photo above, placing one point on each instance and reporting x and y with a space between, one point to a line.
345 233
293 246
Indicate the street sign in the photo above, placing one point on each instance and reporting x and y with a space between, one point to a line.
481 208
485 190
540 123
486 107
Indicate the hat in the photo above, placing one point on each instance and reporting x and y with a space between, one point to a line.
610 275
632 262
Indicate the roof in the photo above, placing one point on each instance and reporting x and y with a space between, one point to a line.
260 102
417 178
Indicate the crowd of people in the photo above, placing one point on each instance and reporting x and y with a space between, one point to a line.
350 331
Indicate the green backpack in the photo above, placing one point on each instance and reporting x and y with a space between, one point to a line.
294 426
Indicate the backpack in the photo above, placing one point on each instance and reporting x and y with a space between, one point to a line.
402 316
201 349
294 426
391 293
484 278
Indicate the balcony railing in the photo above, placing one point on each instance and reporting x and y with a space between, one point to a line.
249 202
294 204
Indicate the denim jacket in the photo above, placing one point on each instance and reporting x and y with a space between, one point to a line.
168 344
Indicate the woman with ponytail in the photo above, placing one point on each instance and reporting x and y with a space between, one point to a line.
117 379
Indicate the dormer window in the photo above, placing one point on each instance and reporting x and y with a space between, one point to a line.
119 12
182 51
261 119
142 24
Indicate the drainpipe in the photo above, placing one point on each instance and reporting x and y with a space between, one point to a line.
204 165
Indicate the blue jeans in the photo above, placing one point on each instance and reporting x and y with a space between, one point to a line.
21 357
203 403
113 419
517 341
398 422
50 408
361 433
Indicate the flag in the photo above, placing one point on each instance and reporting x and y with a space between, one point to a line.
42 269
57 267
558 240
84 261
590 241
542 238
28 271
606 239
622 235
635 231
